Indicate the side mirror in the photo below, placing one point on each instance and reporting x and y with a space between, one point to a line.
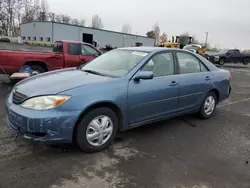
144 75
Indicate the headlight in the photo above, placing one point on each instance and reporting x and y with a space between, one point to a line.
45 102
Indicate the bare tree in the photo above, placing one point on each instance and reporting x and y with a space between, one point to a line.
82 22
10 16
44 10
75 22
156 30
126 28
65 18
97 22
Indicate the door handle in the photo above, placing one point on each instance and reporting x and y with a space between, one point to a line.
173 83
207 78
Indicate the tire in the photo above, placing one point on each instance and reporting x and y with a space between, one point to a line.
246 61
84 129
203 113
221 61
37 69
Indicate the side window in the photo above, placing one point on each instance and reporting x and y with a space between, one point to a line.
203 68
73 49
236 51
161 65
88 50
188 63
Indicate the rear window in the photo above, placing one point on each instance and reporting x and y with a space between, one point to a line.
58 47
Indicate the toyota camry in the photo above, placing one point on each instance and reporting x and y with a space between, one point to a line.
119 90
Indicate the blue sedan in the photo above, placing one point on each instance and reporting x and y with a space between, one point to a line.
119 90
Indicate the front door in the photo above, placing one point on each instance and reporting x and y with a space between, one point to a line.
88 53
72 59
195 81
157 97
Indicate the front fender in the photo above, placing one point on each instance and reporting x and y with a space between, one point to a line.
114 92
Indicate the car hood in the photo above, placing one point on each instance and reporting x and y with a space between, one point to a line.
57 81
219 54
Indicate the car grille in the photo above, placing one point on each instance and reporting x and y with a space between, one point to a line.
18 98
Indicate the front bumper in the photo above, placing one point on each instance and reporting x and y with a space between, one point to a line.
48 126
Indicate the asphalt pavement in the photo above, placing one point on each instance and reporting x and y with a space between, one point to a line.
185 152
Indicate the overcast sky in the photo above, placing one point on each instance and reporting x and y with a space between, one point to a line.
226 21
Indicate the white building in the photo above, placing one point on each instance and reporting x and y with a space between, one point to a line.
53 31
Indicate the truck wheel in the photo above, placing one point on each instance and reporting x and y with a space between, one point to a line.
96 130
221 61
246 61
37 69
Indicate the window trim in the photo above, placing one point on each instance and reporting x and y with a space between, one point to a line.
157 53
200 62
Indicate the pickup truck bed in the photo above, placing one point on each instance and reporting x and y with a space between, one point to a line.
65 54
24 47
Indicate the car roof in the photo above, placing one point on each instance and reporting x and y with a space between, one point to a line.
148 49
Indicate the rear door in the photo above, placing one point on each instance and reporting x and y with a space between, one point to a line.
195 80
87 53
72 58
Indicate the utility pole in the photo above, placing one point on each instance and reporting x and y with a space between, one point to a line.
206 38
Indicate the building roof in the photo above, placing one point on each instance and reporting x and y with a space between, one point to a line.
87 28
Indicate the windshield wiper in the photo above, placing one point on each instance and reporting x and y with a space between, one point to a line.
93 72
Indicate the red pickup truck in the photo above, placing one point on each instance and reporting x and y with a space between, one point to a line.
65 54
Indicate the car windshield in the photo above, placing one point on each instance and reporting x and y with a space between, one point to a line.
116 63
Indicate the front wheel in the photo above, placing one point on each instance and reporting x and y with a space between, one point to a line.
96 130
208 106
246 61
221 61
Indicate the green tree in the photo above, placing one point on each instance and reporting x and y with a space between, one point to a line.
151 34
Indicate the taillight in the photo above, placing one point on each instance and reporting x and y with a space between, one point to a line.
230 76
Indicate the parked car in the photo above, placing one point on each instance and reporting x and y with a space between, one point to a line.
121 89
230 56
65 54
4 39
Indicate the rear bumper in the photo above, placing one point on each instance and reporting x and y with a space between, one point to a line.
49 126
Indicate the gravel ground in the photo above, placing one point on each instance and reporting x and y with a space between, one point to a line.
184 152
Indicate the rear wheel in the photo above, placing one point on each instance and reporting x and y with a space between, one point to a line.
37 69
96 130
246 61
208 106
